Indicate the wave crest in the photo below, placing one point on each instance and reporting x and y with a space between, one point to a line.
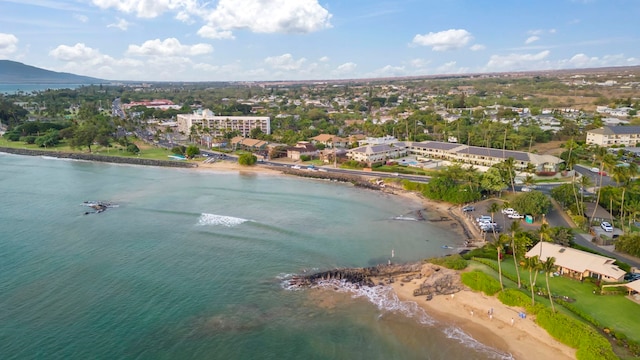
220 220
466 340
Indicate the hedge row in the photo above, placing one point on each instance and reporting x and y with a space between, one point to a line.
455 262
477 280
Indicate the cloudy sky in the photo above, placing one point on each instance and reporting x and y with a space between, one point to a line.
222 40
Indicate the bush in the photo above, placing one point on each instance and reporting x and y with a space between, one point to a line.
514 297
305 157
133 149
247 159
455 262
477 280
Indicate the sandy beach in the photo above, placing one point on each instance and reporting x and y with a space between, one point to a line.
467 309
503 330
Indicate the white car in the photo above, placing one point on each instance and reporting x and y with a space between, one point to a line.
525 189
606 226
508 211
483 218
515 215
594 170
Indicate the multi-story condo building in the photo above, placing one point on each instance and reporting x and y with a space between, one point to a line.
219 125
454 152
614 135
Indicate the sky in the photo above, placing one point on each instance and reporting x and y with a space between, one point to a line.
264 40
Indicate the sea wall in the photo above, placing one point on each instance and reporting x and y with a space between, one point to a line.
357 180
100 158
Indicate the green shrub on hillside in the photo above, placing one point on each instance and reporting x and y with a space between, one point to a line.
514 297
477 280
455 262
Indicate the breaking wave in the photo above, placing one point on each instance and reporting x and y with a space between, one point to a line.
466 340
220 220
386 299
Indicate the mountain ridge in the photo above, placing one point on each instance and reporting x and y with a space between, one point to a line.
13 72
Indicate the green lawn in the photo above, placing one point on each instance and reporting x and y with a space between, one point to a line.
611 311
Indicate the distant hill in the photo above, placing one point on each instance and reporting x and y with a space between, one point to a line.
12 72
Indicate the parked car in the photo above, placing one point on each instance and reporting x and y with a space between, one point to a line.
508 211
515 215
468 208
632 276
603 173
525 189
483 218
606 226
594 170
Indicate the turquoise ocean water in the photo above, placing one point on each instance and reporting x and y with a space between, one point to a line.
191 266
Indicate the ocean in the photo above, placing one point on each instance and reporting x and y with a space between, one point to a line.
27 88
193 264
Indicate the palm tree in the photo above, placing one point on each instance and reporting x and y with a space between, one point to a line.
623 175
633 207
493 208
533 265
549 266
605 159
514 229
510 167
584 183
499 245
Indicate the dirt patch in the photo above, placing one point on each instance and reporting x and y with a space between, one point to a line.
550 148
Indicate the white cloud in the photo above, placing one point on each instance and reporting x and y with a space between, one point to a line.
324 59
389 71
583 61
285 62
477 47
210 32
531 39
81 18
517 61
274 16
77 52
8 44
145 8
346 68
122 24
448 68
444 40
419 63
168 47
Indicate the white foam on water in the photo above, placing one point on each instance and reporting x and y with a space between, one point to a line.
405 218
466 340
220 220
383 297
386 300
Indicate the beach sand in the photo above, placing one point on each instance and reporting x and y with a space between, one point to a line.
468 310
524 339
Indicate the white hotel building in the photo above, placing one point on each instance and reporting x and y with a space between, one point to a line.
218 125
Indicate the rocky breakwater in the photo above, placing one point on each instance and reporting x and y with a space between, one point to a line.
101 158
357 180
435 280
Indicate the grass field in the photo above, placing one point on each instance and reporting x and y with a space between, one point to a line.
616 312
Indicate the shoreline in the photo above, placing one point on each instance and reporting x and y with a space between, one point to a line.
524 339
503 330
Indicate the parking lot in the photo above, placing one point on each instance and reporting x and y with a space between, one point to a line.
502 221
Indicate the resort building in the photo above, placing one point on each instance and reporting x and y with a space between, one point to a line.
614 135
219 125
578 264
372 154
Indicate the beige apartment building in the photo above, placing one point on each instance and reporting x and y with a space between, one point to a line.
614 135
219 125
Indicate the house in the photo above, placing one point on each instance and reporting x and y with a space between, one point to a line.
302 148
578 264
601 213
239 142
614 135
330 141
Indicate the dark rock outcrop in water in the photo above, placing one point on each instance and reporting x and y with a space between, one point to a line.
359 276
101 158
435 279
